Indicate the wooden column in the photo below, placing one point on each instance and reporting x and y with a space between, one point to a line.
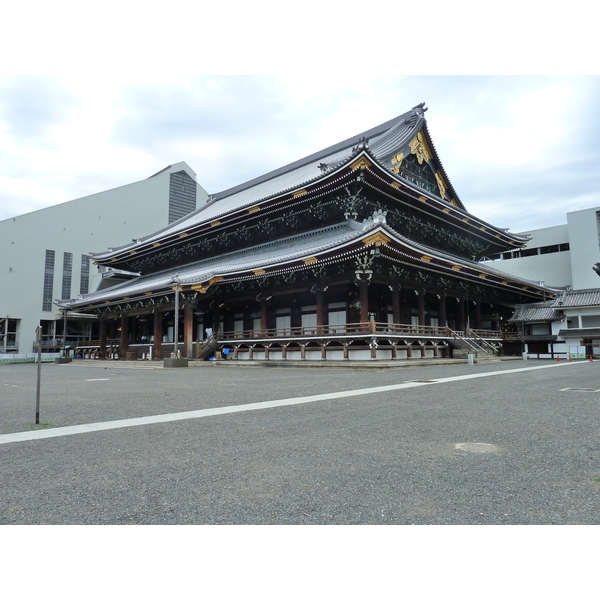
461 314
442 311
421 307
188 331
158 334
124 337
477 314
103 336
321 316
264 315
364 303
396 305
405 313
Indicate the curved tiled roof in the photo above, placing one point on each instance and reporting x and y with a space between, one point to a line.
280 254
289 177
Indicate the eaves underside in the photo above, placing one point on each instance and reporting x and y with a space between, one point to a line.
331 244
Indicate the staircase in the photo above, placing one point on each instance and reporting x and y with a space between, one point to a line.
207 347
481 349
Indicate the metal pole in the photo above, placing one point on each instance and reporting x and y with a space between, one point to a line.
38 331
176 332
64 352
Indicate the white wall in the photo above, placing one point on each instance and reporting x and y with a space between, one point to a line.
553 269
89 224
585 248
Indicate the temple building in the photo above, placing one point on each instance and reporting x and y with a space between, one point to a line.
363 250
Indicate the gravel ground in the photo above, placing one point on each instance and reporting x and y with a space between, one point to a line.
385 458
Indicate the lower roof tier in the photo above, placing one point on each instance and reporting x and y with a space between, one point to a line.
371 248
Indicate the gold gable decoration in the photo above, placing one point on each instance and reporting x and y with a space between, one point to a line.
378 238
361 163
441 184
419 147
397 163
203 287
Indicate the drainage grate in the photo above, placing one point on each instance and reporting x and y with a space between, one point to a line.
579 390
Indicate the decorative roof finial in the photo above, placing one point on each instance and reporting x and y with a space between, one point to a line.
419 109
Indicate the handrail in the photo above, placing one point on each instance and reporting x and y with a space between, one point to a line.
460 337
484 343
347 329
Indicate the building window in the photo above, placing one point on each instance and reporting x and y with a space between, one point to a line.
84 285
182 195
48 280
529 252
67 274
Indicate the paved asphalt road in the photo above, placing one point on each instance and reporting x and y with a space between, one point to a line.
376 458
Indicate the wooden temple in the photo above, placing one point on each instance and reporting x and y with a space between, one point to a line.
360 251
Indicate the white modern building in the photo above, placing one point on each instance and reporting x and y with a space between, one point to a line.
563 257
44 254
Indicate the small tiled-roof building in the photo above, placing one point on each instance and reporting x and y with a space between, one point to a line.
567 325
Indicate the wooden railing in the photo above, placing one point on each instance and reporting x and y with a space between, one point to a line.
350 329
478 337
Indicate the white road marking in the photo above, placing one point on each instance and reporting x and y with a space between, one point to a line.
225 410
101 379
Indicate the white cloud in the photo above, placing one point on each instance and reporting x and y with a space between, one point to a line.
515 148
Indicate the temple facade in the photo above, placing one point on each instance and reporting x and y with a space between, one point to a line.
360 251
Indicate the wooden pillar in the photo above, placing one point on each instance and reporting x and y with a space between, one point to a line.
442 311
103 336
321 317
405 313
421 307
188 330
364 303
158 335
124 337
461 314
396 305
408 350
478 314
264 316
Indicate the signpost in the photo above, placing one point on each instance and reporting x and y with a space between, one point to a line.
38 331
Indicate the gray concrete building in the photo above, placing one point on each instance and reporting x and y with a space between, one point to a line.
44 255
559 256
564 256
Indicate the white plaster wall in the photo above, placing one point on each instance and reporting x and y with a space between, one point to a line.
89 224
585 249
553 269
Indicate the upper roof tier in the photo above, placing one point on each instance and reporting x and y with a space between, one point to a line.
403 138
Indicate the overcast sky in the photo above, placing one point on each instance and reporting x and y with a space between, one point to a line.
520 151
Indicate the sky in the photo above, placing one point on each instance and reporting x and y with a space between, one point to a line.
520 151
